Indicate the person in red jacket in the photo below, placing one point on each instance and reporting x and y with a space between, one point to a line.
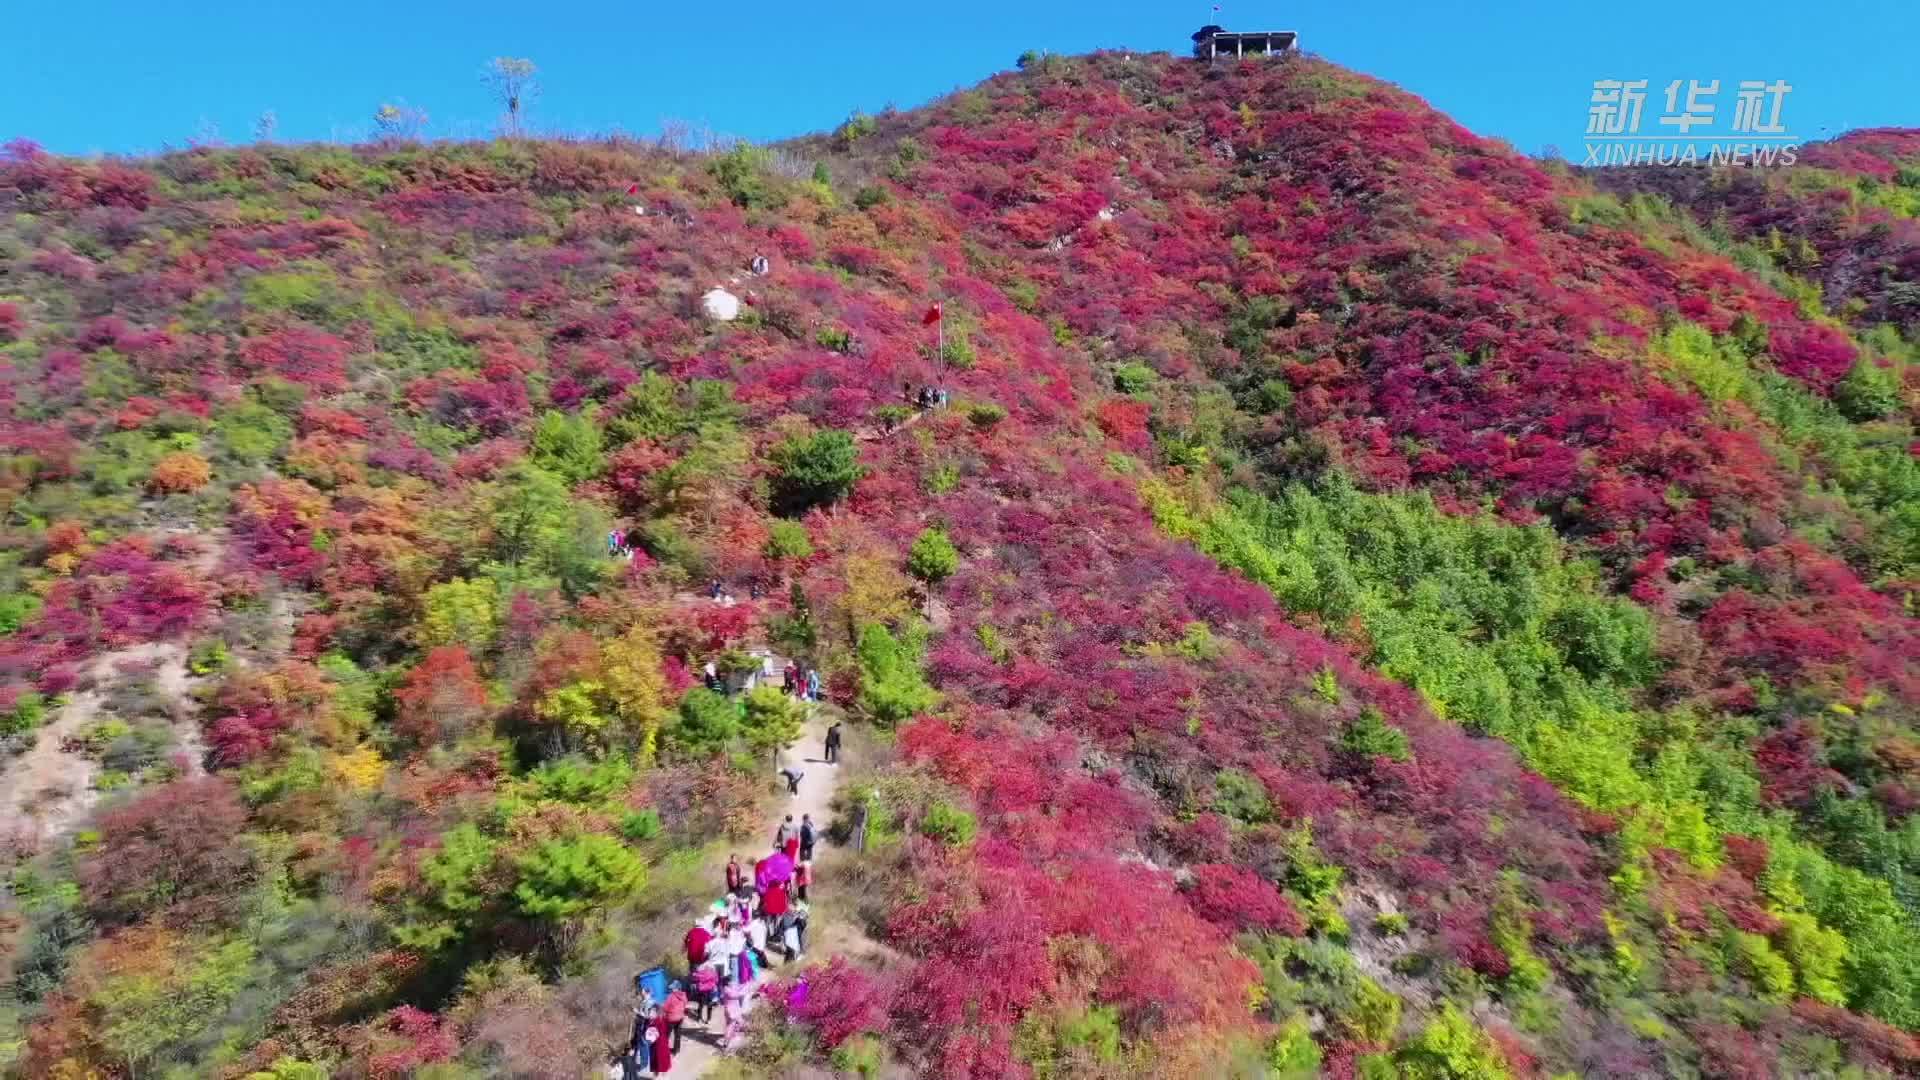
697 940
773 902
662 1048
736 875
674 1012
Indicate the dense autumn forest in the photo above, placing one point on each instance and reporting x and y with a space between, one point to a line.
1374 604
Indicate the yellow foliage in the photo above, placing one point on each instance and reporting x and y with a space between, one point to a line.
63 563
876 590
360 770
633 681
179 472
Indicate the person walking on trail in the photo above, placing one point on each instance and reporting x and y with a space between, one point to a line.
706 990
733 997
757 941
773 902
674 1012
790 679
638 1060
736 875
785 829
792 776
792 849
802 877
833 744
806 837
697 941
662 1052
813 685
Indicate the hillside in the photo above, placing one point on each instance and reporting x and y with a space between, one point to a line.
1374 601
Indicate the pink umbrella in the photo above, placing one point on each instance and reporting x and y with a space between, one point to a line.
774 868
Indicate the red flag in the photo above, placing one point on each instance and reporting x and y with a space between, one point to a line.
633 189
932 316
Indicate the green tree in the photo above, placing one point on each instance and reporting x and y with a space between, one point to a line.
148 1009
1451 1048
568 445
814 470
787 540
459 612
1369 736
706 723
932 557
1869 390
454 890
772 719
892 688
565 879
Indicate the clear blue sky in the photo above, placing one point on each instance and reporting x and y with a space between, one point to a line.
116 76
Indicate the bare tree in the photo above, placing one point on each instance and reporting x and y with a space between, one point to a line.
399 120
512 82
264 127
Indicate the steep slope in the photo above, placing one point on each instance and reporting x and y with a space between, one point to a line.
1360 609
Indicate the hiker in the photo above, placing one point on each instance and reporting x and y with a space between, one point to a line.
780 834
833 744
714 590
813 685
757 941
706 990
806 837
773 902
790 937
613 543
906 392
797 923
802 877
790 678
714 682
639 1056
662 1054
674 1012
792 777
733 996
736 874
697 941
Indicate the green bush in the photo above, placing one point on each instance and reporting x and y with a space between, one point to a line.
985 414
814 470
568 446
1451 1048
932 557
706 724
1869 390
1369 736
948 824
742 173
787 540
1240 797
638 826
892 688
1133 377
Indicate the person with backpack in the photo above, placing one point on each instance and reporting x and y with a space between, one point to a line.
674 1012
802 877
806 837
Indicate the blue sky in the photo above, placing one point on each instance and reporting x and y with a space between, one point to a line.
113 76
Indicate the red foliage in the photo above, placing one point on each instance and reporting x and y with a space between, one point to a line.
441 699
1237 899
175 847
841 1001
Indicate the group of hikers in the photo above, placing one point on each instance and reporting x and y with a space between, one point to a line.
620 544
927 397
764 909
728 948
